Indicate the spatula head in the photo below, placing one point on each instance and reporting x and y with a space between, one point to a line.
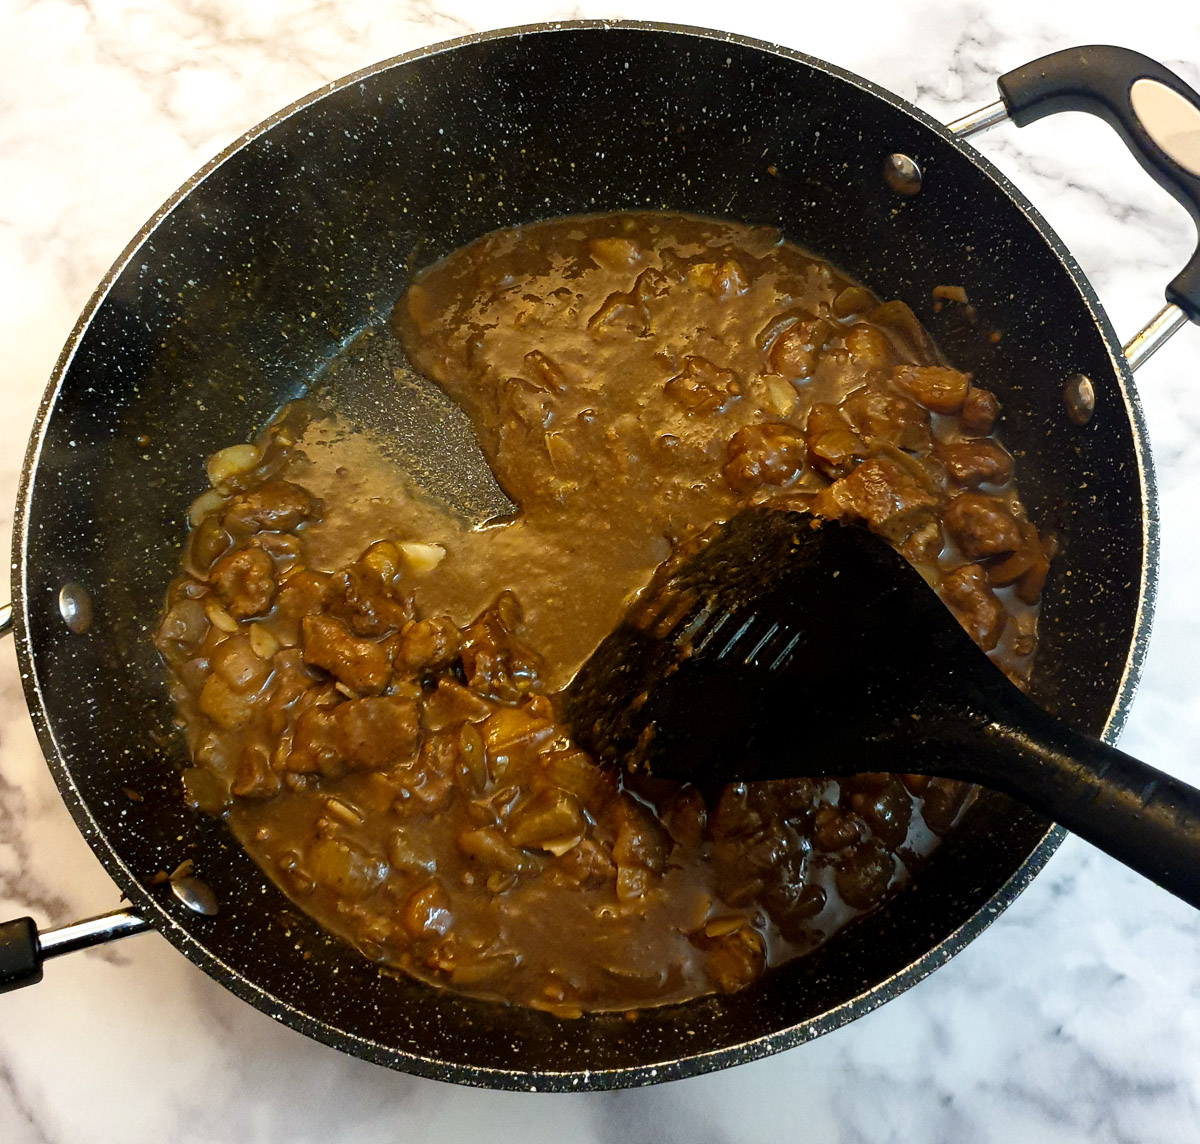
784 646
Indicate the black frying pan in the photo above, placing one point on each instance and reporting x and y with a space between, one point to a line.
266 263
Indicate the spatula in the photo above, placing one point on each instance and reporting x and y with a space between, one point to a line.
787 646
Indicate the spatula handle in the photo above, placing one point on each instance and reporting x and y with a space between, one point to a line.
1139 815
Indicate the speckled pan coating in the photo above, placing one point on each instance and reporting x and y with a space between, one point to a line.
261 266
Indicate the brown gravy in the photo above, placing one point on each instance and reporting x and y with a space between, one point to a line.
366 681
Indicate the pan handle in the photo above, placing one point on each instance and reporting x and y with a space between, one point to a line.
1153 110
1156 114
23 949
6 619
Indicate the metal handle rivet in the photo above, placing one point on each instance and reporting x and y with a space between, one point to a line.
196 895
1079 396
75 607
902 174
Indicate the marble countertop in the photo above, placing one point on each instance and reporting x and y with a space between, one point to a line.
1075 1017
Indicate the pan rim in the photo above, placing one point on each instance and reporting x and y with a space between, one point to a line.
154 910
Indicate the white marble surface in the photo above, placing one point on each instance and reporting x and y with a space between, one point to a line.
1076 1017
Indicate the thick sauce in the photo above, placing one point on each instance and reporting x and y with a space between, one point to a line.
367 682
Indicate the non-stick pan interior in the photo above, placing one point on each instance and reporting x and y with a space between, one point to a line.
308 230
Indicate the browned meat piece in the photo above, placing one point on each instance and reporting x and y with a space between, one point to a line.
937 387
549 820
255 778
639 837
881 417
972 601
724 281
977 463
870 348
182 628
735 959
944 800
275 507
450 703
793 352
369 604
771 454
865 875
884 494
883 804
924 544
361 734
1027 567
245 582
292 678
282 547
982 526
426 645
363 665
833 447
979 411
303 593
703 387
496 664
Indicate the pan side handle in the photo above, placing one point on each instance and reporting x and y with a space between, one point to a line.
23 949
6 619
1156 114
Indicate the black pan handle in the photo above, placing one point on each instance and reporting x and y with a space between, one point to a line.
1115 83
1139 815
23 949
20 954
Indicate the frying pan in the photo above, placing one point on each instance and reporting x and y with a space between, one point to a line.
264 265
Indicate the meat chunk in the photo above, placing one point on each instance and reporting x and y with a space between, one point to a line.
967 593
245 582
770 454
363 665
880 417
979 411
369 604
496 664
936 387
977 463
982 526
303 593
426 645
451 704
833 447
869 348
1027 567
278 506
793 352
885 494
361 734
702 387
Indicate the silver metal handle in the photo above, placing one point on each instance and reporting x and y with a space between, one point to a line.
23 948
6 619
1154 334
92 931
978 121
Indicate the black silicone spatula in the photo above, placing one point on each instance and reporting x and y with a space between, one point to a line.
787 646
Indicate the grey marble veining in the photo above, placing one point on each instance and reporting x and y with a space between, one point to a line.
1075 1017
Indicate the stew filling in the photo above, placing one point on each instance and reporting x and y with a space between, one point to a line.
367 681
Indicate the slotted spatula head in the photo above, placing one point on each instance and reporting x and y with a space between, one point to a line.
784 646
